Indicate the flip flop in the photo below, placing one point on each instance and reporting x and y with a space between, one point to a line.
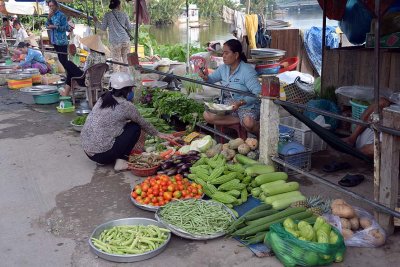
351 180
336 166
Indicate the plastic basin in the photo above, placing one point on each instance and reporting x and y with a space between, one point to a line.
268 69
46 99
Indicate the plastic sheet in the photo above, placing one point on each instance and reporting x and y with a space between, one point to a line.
313 44
292 251
365 93
364 237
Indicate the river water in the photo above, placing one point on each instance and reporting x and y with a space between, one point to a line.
218 30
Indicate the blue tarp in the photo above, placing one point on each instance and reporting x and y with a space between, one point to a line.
313 44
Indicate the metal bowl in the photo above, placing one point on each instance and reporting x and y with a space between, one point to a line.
39 90
179 232
81 112
76 127
126 258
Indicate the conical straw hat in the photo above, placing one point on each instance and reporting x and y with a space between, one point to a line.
94 42
32 41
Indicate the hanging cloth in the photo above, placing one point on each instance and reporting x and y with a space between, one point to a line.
251 29
228 14
261 38
143 12
240 25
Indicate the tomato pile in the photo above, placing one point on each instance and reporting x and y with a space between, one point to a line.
160 189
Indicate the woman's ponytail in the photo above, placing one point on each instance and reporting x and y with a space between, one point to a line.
243 57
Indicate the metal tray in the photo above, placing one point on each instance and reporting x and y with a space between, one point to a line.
146 207
181 233
126 258
39 90
31 71
143 207
267 51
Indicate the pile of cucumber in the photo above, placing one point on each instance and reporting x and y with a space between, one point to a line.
252 226
272 188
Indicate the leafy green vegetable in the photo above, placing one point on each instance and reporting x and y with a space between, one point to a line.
170 103
80 120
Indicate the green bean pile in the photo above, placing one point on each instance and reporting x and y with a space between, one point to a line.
196 217
131 239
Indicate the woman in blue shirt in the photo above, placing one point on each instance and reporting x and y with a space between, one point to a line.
236 74
33 59
57 25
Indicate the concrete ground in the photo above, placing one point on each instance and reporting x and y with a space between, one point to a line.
53 197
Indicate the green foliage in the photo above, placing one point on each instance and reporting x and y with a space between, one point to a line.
176 52
165 11
260 6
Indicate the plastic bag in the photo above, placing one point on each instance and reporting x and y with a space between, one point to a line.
395 98
363 93
356 22
363 238
292 251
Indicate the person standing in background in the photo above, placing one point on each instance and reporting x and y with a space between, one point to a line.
7 29
118 26
20 33
58 26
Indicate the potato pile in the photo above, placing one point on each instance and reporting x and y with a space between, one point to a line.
351 223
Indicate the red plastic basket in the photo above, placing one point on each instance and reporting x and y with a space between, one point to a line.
144 172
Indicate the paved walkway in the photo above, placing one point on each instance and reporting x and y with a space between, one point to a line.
53 197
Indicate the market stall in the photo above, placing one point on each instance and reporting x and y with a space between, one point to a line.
199 189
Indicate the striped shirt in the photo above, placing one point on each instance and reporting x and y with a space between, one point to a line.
116 33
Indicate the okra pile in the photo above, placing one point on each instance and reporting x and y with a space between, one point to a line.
228 183
131 239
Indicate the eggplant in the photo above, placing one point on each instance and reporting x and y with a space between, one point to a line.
166 165
186 174
186 166
162 172
180 171
180 164
193 153
177 161
171 172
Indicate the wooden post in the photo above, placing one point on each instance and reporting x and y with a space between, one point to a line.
269 132
390 164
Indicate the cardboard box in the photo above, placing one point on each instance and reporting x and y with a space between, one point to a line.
388 41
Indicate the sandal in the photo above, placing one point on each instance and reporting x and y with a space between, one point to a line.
351 180
336 166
